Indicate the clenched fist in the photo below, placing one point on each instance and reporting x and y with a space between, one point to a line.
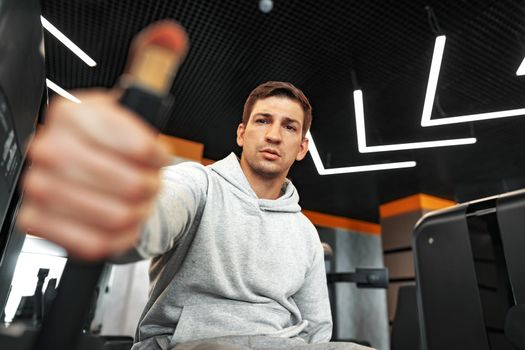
94 176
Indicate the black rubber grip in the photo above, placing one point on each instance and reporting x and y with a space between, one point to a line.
62 326
144 103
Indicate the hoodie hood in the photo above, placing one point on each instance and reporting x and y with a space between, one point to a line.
230 170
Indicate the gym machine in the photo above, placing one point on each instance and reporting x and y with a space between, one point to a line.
470 272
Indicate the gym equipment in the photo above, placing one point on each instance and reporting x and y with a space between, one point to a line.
363 278
405 326
470 272
21 70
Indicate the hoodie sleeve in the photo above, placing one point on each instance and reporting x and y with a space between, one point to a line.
180 202
313 303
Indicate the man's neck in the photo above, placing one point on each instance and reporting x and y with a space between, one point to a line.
264 188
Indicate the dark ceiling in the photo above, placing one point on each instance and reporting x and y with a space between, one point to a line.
316 45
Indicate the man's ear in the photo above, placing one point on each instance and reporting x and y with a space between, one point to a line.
240 135
303 149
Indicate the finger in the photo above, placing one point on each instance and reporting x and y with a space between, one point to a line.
80 163
93 208
79 240
100 120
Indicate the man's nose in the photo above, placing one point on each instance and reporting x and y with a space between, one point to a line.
274 133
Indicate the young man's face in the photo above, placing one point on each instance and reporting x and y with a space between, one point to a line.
272 139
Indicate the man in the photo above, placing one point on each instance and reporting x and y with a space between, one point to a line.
234 260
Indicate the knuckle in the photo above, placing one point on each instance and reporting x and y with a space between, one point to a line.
142 186
146 149
46 149
33 188
124 217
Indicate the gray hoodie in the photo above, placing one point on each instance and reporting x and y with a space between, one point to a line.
255 266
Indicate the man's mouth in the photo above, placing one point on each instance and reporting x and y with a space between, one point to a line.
270 152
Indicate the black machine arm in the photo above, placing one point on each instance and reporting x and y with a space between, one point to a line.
362 277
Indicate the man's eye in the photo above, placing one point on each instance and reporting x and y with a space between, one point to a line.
261 121
291 128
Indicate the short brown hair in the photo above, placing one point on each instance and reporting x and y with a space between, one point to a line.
280 89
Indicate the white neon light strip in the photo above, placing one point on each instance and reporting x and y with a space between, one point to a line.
475 117
67 42
361 134
426 120
61 91
351 169
435 66
521 68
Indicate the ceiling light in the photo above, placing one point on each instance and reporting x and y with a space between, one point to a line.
361 134
265 5
314 153
66 41
521 68
351 169
370 167
426 120
435 66
475 117
61 91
